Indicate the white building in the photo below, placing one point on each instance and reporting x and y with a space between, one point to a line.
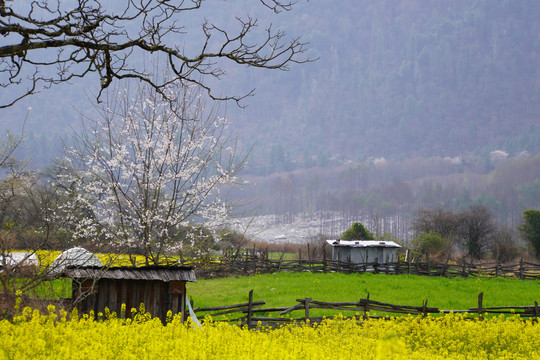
364 251
19 259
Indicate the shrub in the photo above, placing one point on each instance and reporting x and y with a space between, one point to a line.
357 231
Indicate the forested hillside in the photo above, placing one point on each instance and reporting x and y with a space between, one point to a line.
404 79
398 79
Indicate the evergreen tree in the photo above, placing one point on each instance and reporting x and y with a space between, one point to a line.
357 231
530 229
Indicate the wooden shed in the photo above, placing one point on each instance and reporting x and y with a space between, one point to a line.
159 288
364 251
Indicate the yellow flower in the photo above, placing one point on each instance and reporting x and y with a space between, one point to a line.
451 336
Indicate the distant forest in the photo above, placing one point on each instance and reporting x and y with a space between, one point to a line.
388 195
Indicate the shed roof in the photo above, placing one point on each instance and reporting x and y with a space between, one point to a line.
74 257
363 243
161 273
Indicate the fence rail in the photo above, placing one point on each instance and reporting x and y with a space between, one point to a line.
252 264
362 309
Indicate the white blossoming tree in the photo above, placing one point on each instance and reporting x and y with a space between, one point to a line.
147 169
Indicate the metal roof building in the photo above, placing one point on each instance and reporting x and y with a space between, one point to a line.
364 251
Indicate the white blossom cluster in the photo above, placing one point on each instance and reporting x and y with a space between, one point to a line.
147 168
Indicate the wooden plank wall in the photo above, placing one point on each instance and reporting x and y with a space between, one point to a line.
158 297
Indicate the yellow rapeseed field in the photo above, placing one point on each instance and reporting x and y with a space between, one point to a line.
59 335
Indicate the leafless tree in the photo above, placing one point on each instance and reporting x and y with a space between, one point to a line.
47 42
503 244
441 221
476 228
8 145
471 228
11 172
26 227
26 203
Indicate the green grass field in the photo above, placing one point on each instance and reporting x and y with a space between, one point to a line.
274 255
282 289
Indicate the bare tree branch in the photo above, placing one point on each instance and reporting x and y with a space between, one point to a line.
49 42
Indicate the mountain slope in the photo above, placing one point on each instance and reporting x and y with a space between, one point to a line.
394 78
405 78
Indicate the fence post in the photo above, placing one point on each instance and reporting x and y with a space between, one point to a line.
324 259
309 257
306 307
497 269
424 308
409 259
536 313
443 271
521 268
366 308
480 311
250 306
246 259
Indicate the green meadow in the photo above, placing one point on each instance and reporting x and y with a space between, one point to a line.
282 289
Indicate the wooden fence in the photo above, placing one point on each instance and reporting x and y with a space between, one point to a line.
252 264
251 313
